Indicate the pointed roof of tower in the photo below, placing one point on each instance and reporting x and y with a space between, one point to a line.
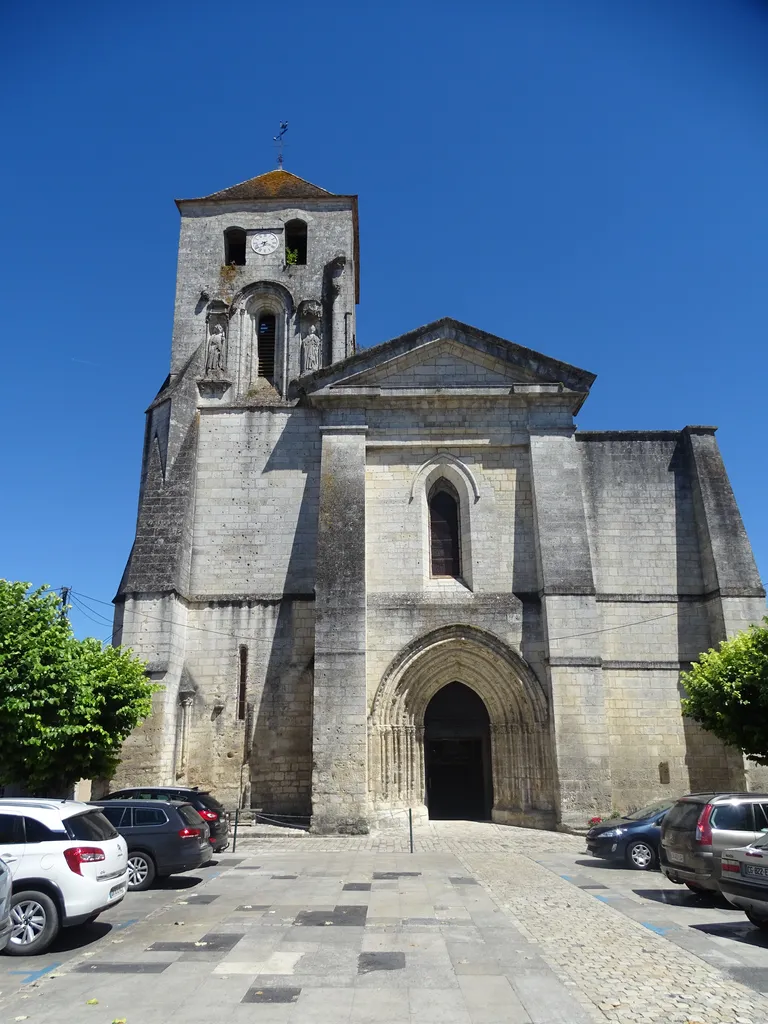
277 184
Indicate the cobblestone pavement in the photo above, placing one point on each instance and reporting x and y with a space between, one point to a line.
483 924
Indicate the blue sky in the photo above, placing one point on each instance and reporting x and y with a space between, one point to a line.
587 179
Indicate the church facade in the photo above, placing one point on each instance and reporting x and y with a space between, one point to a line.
377 579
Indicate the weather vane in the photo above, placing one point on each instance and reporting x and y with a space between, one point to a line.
279 140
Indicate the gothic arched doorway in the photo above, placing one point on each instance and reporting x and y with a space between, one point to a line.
519 783
457 755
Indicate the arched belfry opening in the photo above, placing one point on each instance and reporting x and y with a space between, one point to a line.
457 755
459 727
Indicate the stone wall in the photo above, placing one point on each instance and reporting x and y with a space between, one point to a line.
256 502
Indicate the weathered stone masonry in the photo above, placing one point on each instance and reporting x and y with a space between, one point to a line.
280 582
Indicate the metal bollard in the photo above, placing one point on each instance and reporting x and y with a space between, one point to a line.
410 826
234 834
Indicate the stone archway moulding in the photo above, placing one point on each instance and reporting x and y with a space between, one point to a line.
523 779
448 460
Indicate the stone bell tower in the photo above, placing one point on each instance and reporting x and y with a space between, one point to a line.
268 275
218 592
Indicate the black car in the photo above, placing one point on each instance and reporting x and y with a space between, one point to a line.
164 837
634 838
207 806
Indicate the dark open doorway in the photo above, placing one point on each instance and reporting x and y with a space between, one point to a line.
457 747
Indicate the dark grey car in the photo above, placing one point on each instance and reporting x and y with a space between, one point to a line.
205 803
164 837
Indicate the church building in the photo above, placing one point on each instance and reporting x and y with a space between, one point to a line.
373 579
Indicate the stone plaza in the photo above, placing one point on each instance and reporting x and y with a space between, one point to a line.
482 924
373 580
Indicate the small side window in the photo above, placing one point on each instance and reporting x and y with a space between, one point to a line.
115 815
761 817
37 832
733 818
10 829
148 816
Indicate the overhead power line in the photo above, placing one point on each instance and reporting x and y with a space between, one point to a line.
379 650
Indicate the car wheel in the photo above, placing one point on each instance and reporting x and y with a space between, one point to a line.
141 871
34 923
641 855
758 922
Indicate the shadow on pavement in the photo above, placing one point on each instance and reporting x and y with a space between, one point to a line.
75 938
738 931
609 865
177 882
677 898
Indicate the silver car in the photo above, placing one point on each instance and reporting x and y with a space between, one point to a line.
744 880
5 904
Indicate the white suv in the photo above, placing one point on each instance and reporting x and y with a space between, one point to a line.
67 864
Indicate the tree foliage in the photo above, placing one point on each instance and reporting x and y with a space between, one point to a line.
66 705
728 692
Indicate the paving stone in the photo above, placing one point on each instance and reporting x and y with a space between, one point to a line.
357 887
104 967
394 875
380 961
256 994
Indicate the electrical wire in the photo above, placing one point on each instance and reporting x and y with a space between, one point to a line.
377 650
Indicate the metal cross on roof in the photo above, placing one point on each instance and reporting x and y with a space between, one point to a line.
279 141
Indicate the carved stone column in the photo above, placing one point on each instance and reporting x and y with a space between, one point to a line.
338 290
339 778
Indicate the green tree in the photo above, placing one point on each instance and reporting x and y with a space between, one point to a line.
727 692
66 705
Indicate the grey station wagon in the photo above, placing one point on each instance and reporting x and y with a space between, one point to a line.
700 826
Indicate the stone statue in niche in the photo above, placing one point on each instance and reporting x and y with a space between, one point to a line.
310 350
216 361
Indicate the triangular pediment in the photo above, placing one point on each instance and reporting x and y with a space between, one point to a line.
443 355
443 363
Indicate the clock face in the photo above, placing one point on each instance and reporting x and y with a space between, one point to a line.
264 242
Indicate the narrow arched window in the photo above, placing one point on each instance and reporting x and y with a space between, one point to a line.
234 247
242 683
266 345
296 242
444 530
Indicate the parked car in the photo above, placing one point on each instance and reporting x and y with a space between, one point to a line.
699 827
634 838
207 806
67 864
5 904
164 837
744 880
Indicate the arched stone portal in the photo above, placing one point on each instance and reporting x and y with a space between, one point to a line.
522 776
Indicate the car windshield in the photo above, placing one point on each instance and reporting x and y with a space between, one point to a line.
91 825
648 812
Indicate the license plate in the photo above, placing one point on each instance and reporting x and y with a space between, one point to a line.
676 858
754 870
115 891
